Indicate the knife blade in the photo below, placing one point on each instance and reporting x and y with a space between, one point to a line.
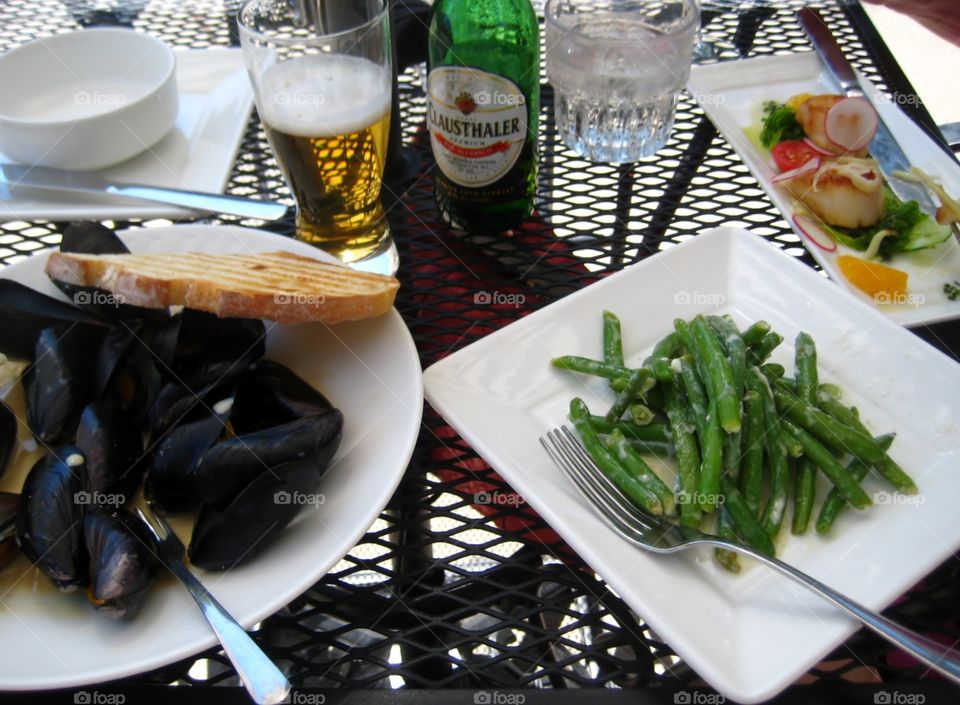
14 175
884 147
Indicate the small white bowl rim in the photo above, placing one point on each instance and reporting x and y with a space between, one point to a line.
171 69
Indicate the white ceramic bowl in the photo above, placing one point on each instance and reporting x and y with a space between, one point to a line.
86 99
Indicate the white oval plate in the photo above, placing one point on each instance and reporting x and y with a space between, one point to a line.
368 369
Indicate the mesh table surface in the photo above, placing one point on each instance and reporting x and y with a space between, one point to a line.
441 592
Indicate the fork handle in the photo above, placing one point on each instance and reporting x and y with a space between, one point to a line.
943 660
262 679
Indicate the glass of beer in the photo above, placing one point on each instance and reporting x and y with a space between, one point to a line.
321 72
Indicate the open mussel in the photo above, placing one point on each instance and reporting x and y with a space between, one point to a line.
211 350
50 520
229 466
123 562
126 371
169 480
202 358
61 381
112 444
269 394
225 538
25 312
9 507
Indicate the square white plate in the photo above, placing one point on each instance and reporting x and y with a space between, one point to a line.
750 635
731 93
197 154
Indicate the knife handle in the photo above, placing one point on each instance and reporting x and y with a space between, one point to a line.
826 44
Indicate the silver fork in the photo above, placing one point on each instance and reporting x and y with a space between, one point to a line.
262 679
661 535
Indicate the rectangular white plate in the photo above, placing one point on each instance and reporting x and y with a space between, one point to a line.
197 154
731 93
750 635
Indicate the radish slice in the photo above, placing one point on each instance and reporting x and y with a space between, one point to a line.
807 167
851 124
817 148
814 233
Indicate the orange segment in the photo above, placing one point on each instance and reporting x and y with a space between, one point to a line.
876 280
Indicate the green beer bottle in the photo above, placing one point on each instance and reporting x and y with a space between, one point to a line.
483 101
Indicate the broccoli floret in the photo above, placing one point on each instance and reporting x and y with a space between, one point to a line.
779 124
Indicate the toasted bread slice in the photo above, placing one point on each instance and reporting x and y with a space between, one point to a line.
277 286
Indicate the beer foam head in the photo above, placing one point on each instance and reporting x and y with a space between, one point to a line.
324 95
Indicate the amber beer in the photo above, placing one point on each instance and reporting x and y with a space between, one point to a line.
327 119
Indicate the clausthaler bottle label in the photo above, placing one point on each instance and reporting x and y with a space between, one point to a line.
477 122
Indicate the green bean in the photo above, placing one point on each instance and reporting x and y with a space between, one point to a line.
825 390
612 340
735 348
624 398
751 475
651 433
841 412
755 333
608 463
618 444
886 467
834 502
688 456
641 414
793 447
830 390
711 461
759 353
804 495
835 472
728 559
748 528
720 381
775 451
662 354
696 396
587 366
805 367
682 329
773 370
825 428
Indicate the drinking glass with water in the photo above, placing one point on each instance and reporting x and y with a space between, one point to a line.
616 67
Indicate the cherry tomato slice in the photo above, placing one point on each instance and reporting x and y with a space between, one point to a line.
791 154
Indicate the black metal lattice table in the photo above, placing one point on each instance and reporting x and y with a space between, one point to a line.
442 593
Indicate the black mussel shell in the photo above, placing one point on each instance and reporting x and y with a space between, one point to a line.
123 562
112 444
230 465
113 351
127 371
175 404
8 435
90 238
50 521
25 312
211 350
61 381
9 506
269 394
169 480
224 539
161 337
